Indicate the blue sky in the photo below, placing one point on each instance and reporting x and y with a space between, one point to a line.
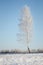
9 15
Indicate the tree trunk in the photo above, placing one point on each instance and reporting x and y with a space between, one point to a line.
28 49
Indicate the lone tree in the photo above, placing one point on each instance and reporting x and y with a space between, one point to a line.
25 25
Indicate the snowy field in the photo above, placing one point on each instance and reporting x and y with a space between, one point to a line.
21 59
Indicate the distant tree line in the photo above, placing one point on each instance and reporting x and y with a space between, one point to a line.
20 52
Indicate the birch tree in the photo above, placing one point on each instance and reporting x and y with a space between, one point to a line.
25 25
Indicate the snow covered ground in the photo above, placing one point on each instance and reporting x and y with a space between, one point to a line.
21 59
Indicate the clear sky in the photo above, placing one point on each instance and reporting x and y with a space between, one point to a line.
9 14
